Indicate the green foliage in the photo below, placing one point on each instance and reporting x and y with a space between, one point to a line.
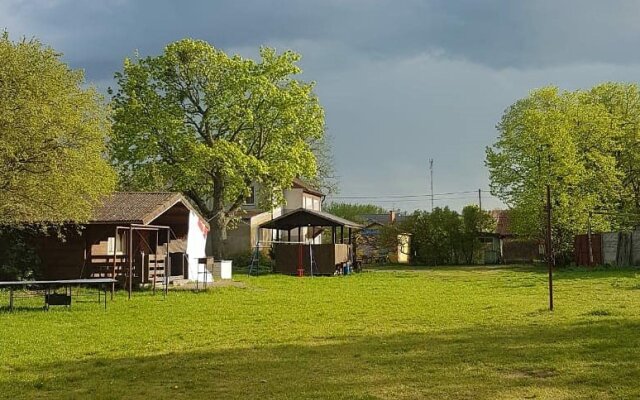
584 145
474 222
18 260
52 137
207 124
444 236
242 262
353 211
427 333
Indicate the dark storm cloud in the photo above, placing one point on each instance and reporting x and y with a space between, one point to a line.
499 34
401 81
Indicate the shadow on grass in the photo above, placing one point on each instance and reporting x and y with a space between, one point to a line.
461 268
568 273
597 357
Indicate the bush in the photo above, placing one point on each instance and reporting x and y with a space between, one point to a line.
242 263
18 258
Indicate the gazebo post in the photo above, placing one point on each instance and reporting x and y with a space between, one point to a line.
130 260
333 234
341 234
288 235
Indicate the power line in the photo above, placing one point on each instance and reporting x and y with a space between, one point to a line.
408 196
421 200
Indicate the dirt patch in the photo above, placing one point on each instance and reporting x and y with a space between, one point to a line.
532 373
212 285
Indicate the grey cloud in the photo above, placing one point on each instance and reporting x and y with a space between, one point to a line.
401 81
499 34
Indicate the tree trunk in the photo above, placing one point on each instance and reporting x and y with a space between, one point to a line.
216 237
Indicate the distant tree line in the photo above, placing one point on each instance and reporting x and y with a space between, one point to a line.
446 237
440 237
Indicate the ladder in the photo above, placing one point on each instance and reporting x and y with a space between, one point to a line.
255 261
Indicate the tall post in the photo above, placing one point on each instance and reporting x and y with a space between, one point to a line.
431 180
590 242
549 248
130 255
480 199
167 266
113 270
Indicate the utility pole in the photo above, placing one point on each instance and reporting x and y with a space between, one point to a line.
589 237
549 249
480 199
431 180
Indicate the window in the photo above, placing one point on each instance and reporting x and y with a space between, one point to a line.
307 203
116 244
251 199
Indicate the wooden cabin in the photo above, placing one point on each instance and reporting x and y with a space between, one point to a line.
150 237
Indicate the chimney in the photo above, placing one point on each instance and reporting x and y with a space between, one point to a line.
392 216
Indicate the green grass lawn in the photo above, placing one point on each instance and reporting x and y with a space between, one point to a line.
445 333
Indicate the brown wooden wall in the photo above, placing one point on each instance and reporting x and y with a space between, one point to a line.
517 250
581 249
326 256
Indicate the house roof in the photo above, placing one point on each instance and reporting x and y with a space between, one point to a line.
503 222
381 219
139 207
304 217
300 184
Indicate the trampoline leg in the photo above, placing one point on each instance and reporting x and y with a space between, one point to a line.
11 299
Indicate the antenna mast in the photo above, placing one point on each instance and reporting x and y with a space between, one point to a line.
431 180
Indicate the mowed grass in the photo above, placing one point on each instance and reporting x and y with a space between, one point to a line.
443 333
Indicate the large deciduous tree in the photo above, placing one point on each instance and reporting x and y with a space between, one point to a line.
53 133
569 141
199 121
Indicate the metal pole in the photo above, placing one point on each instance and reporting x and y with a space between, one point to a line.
167 266
155 264
590 242
549 248
480 199
130 261
431 180
115 254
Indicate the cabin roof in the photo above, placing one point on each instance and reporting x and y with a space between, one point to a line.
139 207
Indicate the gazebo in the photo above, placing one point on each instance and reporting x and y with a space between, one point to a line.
305 256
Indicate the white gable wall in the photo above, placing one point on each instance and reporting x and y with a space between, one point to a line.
196 242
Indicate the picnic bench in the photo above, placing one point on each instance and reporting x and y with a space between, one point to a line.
49 290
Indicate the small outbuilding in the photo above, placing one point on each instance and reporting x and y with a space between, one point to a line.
137 238
309 257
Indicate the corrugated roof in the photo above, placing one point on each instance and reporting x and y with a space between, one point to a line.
138 207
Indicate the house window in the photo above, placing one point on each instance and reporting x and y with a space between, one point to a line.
251 199
308 203
116 244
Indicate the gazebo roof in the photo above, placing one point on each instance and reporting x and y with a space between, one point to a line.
304 217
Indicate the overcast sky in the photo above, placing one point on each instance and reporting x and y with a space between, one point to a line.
401 81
